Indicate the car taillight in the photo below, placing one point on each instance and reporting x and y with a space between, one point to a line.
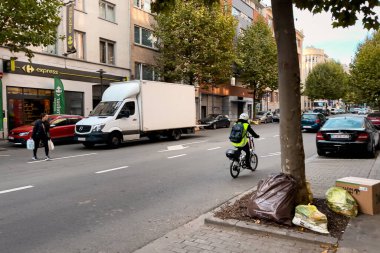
317 121
363 137
320 136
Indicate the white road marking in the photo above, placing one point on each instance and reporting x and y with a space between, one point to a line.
214 148
271 154
170 157
195 142
5 155
180 146
118 168
17 189
277 135
66 157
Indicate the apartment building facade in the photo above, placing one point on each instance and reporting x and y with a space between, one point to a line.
310 58
100 32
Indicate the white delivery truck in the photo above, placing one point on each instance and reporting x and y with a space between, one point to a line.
134 109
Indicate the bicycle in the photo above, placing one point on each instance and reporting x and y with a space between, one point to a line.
238 159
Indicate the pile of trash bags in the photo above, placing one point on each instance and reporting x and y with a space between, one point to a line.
275 200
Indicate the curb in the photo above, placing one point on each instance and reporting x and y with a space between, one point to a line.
261 228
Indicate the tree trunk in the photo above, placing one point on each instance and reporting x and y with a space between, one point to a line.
292 152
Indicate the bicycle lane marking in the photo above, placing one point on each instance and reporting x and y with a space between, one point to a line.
65 157
214 148
17 189
104 171
271 154
171 157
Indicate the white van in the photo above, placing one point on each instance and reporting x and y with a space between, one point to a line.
135 109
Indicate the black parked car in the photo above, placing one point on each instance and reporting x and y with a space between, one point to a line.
352 134
215 121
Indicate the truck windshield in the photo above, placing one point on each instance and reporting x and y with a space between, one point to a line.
106 108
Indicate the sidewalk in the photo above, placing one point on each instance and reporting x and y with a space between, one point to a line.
207 234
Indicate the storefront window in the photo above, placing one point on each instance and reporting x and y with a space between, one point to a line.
25 105
14 90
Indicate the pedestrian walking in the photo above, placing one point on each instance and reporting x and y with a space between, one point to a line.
41 134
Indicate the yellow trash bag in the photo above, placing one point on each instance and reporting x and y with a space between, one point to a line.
308 216
340 201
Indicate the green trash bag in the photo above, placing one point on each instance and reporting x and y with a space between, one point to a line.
340 201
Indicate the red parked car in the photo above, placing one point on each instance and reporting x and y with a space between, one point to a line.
375 119
62 128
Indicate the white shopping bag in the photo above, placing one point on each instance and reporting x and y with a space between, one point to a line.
30 144
51 145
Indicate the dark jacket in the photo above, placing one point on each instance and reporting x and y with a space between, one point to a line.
41 129
250 130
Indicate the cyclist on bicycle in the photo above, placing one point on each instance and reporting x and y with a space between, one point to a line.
243 145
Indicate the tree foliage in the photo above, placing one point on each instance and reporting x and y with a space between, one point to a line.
326 81
195 43
26 23
365 71
344 12
257 58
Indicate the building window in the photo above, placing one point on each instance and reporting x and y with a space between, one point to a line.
235 12
79 44
79 5
144 37
148 72
50 49
107 52
143 4
107 11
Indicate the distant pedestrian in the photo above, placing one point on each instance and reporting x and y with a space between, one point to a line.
41 134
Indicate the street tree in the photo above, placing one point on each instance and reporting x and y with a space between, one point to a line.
344 14
195 43
257 58
26 23
365 71
326 81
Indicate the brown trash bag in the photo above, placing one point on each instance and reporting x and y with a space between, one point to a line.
274 199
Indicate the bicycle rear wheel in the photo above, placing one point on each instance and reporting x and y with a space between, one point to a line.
234 169
254 161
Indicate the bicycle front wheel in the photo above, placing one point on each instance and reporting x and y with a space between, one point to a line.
254 161
234 169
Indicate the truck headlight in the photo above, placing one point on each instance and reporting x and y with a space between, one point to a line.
98 128
24 134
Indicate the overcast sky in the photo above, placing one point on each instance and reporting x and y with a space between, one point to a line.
338 43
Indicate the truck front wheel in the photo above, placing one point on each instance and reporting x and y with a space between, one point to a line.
114 140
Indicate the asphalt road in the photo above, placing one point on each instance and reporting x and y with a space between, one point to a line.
105 200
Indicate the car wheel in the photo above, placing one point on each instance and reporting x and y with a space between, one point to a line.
228 125
214 126
88 144
114 140
321 152
372 151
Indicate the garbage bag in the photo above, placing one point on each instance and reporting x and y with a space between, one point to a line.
274 199
308 216
340 201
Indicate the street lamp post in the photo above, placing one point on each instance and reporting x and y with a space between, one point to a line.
101 72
